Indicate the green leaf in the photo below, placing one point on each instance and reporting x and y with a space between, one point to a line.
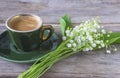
63 26
68 21
115 35
65 22
114 38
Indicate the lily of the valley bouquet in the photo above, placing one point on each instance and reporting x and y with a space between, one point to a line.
86 36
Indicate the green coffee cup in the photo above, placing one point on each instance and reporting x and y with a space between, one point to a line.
27 32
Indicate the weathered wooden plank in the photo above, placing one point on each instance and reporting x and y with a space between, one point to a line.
95 64
107 26
51 10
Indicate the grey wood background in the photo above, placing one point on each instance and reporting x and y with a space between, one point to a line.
95 64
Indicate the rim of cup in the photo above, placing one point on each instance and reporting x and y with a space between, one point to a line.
9 28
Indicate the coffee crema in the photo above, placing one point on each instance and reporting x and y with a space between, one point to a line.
24 23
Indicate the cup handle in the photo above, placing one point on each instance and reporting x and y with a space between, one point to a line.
43 29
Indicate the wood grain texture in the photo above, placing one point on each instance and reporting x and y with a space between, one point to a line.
51 10
95 64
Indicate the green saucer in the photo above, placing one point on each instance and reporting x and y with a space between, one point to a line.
9 52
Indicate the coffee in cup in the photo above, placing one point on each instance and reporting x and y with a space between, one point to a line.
24 23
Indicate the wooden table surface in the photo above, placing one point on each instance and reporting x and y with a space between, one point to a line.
95 64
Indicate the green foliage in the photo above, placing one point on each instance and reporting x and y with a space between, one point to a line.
114 38
63 26
65 22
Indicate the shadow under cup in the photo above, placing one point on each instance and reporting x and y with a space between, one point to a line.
26 32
